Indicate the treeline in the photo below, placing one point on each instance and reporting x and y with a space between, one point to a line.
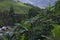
9 17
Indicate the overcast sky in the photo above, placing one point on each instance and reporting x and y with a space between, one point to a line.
39 3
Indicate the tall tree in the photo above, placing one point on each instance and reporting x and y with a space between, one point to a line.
57 7
57 11
11 16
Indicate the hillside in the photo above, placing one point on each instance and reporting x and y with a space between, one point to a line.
18 6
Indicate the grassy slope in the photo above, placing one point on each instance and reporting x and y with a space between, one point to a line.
18 6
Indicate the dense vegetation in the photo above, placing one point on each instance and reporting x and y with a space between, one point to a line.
27 22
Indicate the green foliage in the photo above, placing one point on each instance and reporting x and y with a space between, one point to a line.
33 12
44 25
1 23
23 37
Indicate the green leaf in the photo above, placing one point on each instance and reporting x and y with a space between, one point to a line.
23 37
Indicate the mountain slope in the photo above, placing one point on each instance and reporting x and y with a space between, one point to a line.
18 6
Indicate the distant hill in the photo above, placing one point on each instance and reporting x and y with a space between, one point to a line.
19 7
